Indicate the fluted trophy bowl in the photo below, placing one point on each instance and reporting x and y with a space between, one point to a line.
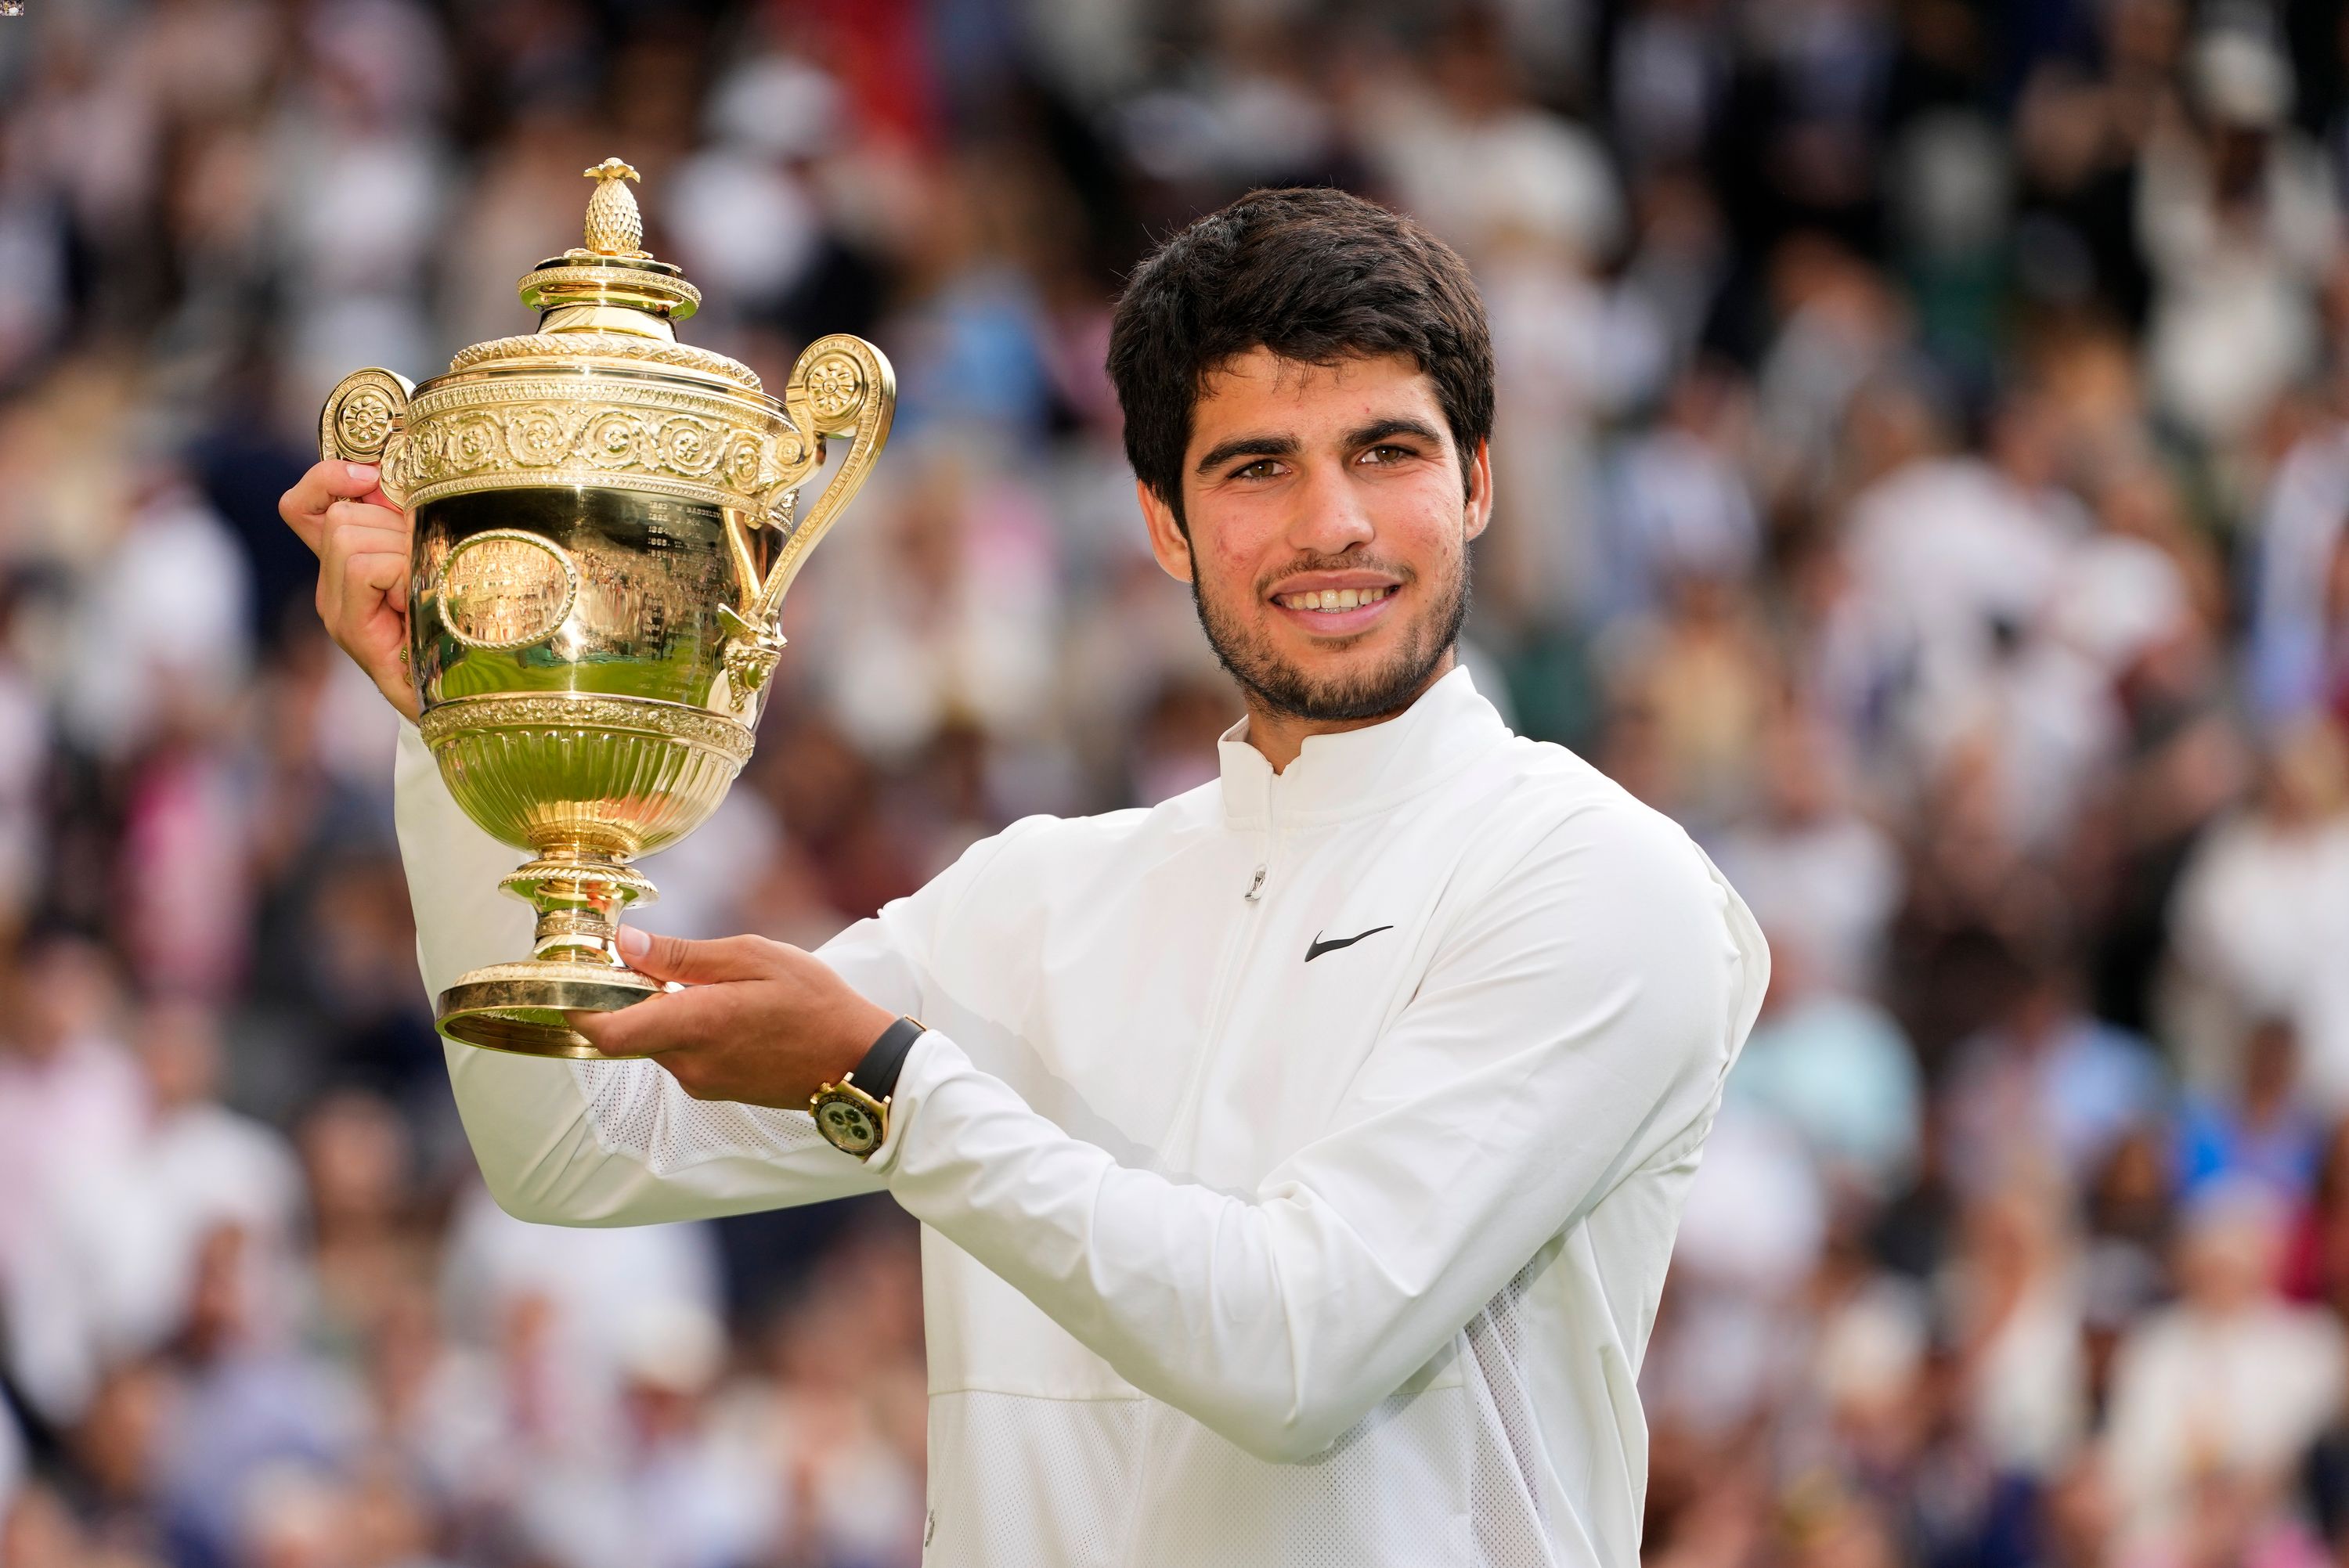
604 522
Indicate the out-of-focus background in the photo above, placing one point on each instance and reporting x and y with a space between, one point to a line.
1922 467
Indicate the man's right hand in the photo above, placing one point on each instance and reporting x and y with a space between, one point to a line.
361 541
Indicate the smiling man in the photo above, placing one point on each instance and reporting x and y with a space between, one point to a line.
1299 1158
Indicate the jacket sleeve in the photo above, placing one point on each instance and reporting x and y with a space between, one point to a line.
602 1144
1574 1025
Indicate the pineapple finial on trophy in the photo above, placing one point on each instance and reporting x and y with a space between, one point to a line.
615 228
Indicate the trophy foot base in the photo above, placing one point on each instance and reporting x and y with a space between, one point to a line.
519 1007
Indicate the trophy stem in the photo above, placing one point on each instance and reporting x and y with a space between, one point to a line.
579 896
574 965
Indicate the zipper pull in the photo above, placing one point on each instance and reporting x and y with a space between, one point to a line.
1255 885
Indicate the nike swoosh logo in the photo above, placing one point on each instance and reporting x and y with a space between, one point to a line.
1320 947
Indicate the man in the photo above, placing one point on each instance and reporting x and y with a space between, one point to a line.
1298 1160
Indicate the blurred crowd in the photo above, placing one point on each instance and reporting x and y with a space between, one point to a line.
1922 471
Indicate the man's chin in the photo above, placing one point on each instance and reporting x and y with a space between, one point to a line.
1348 656
1314 685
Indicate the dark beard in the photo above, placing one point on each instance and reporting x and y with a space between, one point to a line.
1288 690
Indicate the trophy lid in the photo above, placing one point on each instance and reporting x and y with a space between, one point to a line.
613 269
610 297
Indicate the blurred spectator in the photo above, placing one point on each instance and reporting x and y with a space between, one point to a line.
1755 1226
1817 873
1680 502
1836 1068
2016 1304
124 1240
2263 1132
162 637
249 1410
952 578
2248 938
2237 215
26 758
357 1156
2227 1388
1699 675
675 1492
2047 1090
115 1455
2294 652
12 1465
70 1104
580 1292
1956 556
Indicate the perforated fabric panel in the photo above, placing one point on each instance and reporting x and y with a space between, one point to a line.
1441 1477
1394 1490
637 1111
1512 1527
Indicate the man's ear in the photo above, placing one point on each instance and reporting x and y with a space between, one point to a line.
1480 487
1167 541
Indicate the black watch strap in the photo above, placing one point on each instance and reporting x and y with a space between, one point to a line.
876 1075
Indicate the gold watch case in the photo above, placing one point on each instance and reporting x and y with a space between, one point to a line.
850 1120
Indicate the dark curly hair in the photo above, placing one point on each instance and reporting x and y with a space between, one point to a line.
1315 276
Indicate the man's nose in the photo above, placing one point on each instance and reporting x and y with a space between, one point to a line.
1330 515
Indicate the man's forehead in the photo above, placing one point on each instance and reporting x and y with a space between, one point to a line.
1251 386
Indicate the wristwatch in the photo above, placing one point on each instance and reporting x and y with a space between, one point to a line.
853 1114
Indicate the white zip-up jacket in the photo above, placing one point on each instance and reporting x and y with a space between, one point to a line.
1297 1160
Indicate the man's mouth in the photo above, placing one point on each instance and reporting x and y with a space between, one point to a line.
1330 600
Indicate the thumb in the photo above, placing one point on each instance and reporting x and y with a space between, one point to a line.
694 963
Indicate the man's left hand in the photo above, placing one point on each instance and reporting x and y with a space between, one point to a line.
758 1022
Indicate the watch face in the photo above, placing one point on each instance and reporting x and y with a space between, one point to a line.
848 1126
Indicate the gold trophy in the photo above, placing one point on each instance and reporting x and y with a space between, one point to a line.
606 522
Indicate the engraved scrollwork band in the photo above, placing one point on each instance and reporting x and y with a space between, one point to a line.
704 445
588 710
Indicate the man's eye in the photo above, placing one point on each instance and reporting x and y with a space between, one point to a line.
1262 469
1386 452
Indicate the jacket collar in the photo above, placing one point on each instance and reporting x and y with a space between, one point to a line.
1360 770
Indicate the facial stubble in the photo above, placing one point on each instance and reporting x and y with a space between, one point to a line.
1287 689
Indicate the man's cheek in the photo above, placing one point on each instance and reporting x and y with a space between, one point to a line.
1231 578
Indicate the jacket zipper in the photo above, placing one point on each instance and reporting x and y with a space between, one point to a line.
1224 991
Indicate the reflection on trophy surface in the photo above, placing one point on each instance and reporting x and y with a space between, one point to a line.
606 522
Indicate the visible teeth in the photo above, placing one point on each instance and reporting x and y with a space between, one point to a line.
1334 599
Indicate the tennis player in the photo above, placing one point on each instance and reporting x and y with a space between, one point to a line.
1297 1160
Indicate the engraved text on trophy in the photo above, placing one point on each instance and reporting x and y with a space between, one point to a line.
506 589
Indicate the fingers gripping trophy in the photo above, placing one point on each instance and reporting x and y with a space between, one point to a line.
605 521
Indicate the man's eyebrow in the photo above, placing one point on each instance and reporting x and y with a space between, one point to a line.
1260 446
1378 430
1273 446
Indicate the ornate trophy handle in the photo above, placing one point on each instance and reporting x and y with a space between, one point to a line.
842 385
365 420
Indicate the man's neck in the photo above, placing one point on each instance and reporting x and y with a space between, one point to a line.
1281 736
